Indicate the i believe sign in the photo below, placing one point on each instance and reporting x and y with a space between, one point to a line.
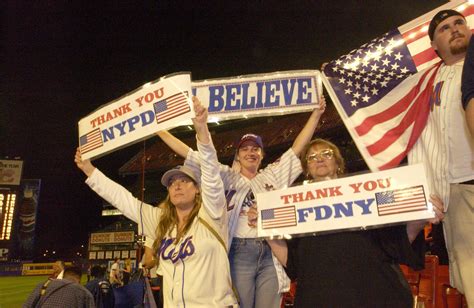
380 198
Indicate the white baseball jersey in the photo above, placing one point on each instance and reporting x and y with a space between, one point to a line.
196 270
445 146
279 175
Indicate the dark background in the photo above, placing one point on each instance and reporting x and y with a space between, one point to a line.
60 60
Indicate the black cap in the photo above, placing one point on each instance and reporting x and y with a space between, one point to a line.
438 18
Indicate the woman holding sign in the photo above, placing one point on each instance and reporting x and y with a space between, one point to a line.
258 277
190 226
350 268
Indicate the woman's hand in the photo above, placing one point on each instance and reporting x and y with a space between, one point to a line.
200 121
85 165
252 215
200 111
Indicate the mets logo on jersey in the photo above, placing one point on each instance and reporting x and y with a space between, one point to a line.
177 252
435 99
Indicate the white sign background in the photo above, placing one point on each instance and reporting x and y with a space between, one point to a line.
342 192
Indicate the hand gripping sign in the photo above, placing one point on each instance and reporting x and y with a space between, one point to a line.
135 116
380 198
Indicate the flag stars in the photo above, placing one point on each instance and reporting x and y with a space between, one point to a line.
347 91
366 98
398 56
383 84
404 70
349 83
385 62
354 103
395 66
374 82
375 67
365 88
375 91
356 95
342 80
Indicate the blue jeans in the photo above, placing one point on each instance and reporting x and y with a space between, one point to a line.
253 273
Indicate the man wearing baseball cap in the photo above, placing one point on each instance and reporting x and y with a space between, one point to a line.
446 149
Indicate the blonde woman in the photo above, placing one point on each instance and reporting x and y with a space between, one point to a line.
189 227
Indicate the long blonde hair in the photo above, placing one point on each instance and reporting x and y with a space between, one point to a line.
169 220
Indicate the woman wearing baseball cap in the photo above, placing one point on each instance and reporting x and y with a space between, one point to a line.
190 226
256 274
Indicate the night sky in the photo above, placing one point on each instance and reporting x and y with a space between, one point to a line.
60 60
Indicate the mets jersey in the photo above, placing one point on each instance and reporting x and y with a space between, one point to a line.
195 270
445 146
278 175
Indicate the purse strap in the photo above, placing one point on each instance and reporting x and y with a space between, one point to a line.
219 238
213 231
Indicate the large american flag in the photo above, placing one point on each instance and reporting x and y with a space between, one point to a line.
382 90
279 217
398 201
91 141
171 107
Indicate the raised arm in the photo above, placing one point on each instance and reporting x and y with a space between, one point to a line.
306 134
174 143
119 197
212 187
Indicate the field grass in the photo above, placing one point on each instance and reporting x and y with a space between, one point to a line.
15 290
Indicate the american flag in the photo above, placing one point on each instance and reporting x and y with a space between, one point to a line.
382 89
91 141
171 107
405 200
279 217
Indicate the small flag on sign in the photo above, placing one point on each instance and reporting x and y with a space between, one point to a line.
91 141
405 200
279 217
171 107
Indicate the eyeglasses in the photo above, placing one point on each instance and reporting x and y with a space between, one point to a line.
326 154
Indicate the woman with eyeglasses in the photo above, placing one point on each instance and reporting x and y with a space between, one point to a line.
357 268
190 227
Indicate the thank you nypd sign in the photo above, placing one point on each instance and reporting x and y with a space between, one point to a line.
387 197
155 106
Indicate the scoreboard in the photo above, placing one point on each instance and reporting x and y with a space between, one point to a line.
7 209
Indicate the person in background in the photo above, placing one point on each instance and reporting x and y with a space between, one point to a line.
58 270
257 275
127 271
65 292
189 227
114 275
100 288
446 148
356 268
89 268
151 266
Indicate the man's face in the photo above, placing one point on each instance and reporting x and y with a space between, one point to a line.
451 37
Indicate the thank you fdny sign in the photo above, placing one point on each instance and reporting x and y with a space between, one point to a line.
392 196
154 106
275 93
